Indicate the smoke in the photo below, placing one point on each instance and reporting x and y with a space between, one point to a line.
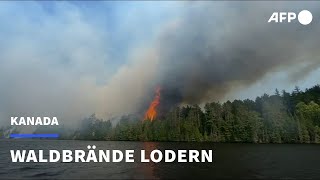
68 63
215 48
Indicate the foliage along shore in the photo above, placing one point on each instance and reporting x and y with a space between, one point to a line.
280 118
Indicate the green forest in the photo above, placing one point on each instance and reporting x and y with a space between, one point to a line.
283 117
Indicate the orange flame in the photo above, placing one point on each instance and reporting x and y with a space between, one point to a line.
151 113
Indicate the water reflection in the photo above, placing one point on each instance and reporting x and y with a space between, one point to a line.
148 169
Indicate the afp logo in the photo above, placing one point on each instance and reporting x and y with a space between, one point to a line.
304 17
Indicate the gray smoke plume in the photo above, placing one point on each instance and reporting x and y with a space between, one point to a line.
216 47
69 60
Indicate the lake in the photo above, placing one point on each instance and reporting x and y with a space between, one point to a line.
229 161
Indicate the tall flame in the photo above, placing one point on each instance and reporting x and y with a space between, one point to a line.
151 113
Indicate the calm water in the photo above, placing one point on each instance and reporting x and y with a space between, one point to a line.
230 161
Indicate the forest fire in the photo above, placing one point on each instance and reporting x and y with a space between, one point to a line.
151 113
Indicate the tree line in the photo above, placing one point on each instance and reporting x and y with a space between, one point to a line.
279 118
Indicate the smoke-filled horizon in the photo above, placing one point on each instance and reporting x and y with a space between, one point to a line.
72 59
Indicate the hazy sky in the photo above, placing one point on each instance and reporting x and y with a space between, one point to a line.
72 59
